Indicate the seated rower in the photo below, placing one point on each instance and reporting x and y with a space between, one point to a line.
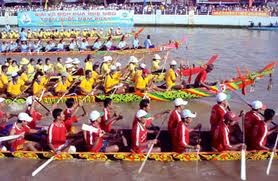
175 118
20 127
112 80
148 42
139 142
171 77
108 119
57 133
136 44
261 131
182 142
221 137
97 44
83 45
109 44
88 63
200 80
95 140
144 82
155 63
122 44
14 86
4 80
218 111
63 84
39 83
73 45
86 84
36 115
251 119
105 65
61 45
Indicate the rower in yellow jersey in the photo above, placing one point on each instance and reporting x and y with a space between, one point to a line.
142 81
39 84
112 80
131 68
104 68
171 77
69 71
4 80
31 68
59 68
89 63
87 83
62 85
13 67
155 63
39 65
14 87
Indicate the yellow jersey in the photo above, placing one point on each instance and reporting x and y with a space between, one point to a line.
59 68
89 66
24 77
105 68
30 69
62 87
12 69
86 85
38 88
14 89
155 65
4 80
142 83
111 81
170 78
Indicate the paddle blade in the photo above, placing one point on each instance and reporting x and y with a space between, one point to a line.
212 59
243 165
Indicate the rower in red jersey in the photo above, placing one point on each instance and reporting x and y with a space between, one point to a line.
182 143
36 115
175 118
139 132
107 120
95 140
261 131
20 127
69 113
200 80
252 118
57 132
221 137
4 117
218 111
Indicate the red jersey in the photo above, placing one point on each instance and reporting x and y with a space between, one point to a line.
17 144
216 116
220 137
201 77
138 136
174 119
251 119
93 140
68 113
37 116
69 121
57 134
259 136
105 124
2 123
182 137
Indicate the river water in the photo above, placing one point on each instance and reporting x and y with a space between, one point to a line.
235 47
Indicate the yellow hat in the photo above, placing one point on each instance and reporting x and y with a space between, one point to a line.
24 61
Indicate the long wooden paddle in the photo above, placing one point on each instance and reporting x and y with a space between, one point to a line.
271 157
67 91
7 138
243 154
146 158
40 168
42 105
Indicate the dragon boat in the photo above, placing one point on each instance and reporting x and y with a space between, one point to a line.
165 47
90 39
166 155
240 82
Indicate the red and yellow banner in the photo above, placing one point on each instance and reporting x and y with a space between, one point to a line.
240 13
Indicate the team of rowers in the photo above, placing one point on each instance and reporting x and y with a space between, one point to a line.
225 130
75 43
31 77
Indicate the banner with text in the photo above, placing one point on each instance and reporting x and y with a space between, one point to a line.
241 13
80 18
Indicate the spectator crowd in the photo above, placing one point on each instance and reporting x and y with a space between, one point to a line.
158 8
